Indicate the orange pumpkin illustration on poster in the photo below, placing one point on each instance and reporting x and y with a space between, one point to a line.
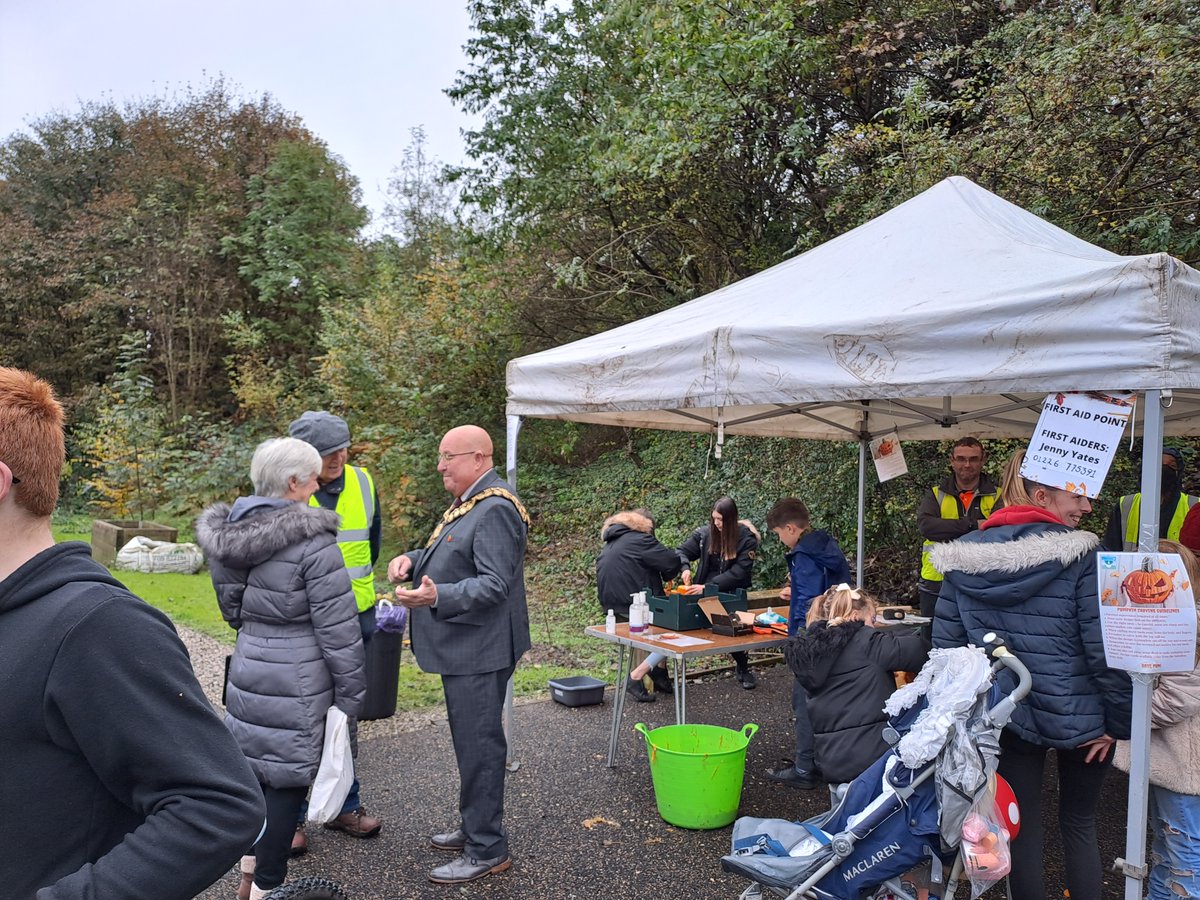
1147 612
1152 582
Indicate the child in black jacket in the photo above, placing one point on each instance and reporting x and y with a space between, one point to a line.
847 667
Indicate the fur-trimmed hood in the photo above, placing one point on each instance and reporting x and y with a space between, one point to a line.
632 520
811 653
263 530
1006 564
753 530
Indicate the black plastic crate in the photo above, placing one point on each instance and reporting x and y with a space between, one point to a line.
577 690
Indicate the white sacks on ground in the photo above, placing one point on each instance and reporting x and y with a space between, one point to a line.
145 555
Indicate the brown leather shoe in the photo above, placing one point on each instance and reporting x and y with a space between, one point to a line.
356 824
299 842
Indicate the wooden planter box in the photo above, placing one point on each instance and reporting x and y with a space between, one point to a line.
110 536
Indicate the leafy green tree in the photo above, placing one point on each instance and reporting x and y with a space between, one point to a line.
1083 114
128 219
636 154
295 246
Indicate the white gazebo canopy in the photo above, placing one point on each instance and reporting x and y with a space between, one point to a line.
954 313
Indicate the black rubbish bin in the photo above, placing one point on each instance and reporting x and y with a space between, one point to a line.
383 675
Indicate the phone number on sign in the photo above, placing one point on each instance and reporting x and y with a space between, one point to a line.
1064 465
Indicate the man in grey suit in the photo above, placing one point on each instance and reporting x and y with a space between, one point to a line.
470 624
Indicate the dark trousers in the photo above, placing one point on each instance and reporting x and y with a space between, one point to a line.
271 851
474 707
927 593
1022 764
803 760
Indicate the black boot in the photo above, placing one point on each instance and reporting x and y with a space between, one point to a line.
742 673
662 681
635 689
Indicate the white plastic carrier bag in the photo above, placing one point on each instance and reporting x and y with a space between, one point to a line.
336 772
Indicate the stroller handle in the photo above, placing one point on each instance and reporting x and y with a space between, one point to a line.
1002 711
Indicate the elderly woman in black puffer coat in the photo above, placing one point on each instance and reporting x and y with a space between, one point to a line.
281 582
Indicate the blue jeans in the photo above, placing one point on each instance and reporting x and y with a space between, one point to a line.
804 731
1175 848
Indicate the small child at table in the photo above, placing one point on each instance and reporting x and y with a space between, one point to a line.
847 669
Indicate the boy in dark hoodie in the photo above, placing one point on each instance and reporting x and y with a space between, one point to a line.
120 780
815 563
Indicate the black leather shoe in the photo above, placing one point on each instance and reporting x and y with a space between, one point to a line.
467 868
635 689
805 781
662 681
449 840
746 678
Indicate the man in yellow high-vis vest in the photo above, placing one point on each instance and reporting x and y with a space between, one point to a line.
350 491
955 507
1122 531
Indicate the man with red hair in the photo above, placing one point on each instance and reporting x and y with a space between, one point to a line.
120 781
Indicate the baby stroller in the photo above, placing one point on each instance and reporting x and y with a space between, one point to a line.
906 813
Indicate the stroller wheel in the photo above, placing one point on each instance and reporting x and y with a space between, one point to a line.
311 888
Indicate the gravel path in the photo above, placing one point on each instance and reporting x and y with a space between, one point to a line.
577 828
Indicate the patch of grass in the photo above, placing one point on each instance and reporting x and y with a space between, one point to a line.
188 599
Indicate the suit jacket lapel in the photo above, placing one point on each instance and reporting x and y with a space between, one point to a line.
447 531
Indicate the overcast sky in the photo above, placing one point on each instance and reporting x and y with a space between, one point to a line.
360 73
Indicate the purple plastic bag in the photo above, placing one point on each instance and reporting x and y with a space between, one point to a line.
390 617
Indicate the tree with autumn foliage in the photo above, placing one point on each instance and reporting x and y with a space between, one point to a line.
153 218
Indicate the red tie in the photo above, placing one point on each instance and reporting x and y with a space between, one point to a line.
457 503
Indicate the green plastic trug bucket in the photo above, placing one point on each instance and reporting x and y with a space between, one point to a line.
697 772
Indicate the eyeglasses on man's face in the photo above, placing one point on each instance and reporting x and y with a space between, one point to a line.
446 457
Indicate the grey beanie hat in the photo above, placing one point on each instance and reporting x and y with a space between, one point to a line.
325 431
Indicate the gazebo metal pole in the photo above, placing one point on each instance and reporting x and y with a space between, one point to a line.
1134 863
513 428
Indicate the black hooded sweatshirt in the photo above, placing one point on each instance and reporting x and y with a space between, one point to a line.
847 671
117 780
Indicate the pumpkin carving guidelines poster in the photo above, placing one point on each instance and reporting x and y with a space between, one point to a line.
1147 612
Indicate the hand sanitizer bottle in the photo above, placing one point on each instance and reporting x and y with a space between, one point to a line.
637 615
610 622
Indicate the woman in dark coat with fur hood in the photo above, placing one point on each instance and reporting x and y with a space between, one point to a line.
281 582
632 560
847 668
